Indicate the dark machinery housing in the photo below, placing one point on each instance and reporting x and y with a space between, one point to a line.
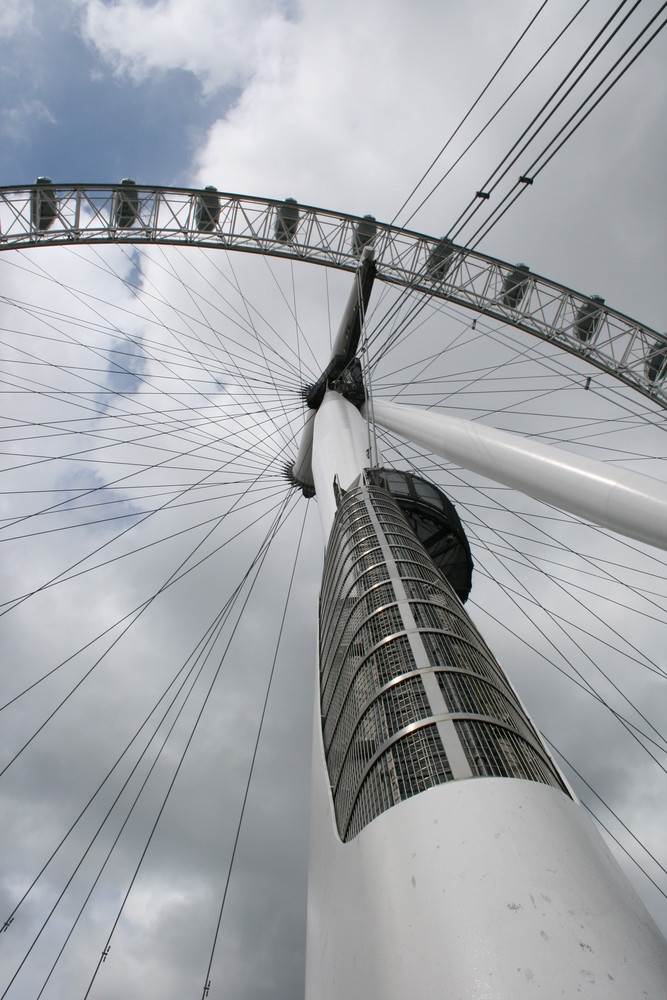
433 518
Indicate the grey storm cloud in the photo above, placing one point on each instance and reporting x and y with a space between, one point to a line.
174 456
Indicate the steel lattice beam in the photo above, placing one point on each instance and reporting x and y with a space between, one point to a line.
53 215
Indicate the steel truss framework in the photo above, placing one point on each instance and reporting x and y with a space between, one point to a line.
52 215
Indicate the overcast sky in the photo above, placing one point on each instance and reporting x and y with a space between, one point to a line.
344 106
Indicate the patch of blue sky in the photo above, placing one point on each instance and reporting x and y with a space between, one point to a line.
124 374
64 114
85 488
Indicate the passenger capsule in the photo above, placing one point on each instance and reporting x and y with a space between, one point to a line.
287 221
588 319
125 208
364 234
43 204
440 259
207 209
656 362
515 286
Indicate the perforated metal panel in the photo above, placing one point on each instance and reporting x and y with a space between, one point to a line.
411 695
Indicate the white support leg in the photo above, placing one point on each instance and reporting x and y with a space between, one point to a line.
615 498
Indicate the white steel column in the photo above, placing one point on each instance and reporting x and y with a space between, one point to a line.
340 448
489 887
615 498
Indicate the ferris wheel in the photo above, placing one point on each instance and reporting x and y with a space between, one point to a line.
158 383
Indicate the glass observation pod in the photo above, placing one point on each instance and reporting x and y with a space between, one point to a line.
43 204
656 362
287 221
364 234
588 320
125 205
515 286
440 259
207 209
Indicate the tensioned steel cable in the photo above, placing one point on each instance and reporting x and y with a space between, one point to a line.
67 337
417 308
207 979
209 639
138 344
464 120
490 184
138 608
68 573
255 333
178 573
496 113
514 557
633 729
608 807
501 108
171 785
47 391
239 318
280 358
498 214
149 292
123 479
259 560
475 203
527 561
110 518
291 307
630 728
212 633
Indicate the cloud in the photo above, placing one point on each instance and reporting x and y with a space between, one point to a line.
222 42
321 120
18 122
342 105
15 15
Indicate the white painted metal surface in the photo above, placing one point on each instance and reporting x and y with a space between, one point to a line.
302 468
340 447
479 889
615 498
486 889
341 341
